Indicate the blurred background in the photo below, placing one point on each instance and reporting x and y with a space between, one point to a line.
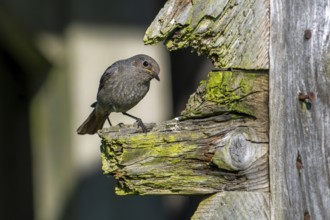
52 55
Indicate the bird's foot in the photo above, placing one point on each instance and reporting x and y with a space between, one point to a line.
138 121
121 124
141 125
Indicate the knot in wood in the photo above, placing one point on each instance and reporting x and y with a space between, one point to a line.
235 151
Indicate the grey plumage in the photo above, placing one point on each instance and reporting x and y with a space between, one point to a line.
122 86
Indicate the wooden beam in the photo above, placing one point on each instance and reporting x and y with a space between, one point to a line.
300 129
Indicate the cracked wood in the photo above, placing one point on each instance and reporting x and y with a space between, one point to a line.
219 143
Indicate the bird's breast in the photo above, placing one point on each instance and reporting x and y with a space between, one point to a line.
122 95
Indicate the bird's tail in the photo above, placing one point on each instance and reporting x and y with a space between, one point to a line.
92 124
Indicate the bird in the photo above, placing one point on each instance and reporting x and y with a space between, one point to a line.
122 86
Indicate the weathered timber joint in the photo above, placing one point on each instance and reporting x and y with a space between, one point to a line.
226 92
215 145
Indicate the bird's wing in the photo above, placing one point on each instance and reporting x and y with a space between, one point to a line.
111 70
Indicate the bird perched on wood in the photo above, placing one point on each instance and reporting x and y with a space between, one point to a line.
122 86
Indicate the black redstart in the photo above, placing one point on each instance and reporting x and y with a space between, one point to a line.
122 86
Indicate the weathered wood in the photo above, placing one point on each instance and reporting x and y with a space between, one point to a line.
234 205
220 142
233 34
299 135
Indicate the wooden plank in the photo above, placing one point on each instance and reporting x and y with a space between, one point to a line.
233 34
234 205
300 131
220 142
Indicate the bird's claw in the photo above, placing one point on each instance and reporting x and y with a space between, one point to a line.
141 125
121 124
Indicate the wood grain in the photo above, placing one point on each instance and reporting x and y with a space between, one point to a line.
299 135
234 205
204 150
233 34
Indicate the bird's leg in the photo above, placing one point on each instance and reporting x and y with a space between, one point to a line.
138 120
108 119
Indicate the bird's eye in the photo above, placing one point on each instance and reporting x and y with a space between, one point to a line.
145 63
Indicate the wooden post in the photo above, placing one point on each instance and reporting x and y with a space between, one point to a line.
300 129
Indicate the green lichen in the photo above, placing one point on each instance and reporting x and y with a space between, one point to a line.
148 152
105 164
176 182
109 151
140 147
223 92
229 89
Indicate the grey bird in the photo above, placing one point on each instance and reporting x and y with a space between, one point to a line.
122 86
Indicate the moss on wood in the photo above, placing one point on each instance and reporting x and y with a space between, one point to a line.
218 143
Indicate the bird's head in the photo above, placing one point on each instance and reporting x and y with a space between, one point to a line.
147 65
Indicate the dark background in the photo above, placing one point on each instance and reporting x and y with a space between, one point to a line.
24 70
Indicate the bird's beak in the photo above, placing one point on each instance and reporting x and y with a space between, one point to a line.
155 75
